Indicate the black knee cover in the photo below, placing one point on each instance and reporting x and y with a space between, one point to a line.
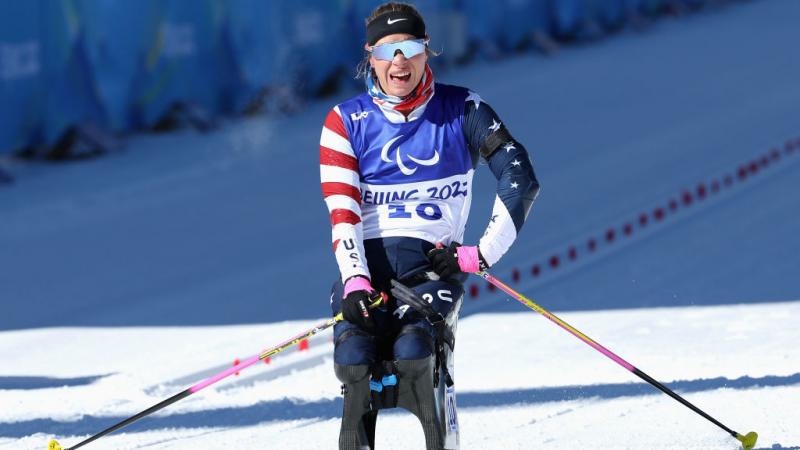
413 342
348 374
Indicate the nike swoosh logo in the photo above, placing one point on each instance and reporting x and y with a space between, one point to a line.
390 21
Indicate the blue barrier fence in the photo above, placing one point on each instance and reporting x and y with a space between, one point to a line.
122 66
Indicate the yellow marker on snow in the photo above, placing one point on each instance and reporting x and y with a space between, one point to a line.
53 445
748 440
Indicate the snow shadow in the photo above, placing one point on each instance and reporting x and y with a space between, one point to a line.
329 409
609 391
32 382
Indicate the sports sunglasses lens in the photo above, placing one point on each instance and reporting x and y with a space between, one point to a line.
409 49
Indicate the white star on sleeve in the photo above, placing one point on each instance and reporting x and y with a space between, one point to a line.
515 163
475 99
514 185
509 147
495 125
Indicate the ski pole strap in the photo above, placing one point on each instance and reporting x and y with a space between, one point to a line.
444 335
411 298
441 362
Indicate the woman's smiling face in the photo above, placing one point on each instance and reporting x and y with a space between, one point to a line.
401 75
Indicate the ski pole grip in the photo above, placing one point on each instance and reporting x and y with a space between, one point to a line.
375 301
380 297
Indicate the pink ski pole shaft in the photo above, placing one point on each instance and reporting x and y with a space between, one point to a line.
748 441
54 445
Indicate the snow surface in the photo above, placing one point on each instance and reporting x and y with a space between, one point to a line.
528 385
128 278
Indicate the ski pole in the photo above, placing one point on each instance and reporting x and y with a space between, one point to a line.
54 445
748 440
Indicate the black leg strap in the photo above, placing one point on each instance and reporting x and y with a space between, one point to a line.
383 386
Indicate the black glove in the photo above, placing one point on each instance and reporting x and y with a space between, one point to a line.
355 309
445 260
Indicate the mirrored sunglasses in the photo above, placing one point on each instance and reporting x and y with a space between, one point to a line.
410 48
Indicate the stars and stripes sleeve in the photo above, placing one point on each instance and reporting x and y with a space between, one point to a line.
517 186
339 175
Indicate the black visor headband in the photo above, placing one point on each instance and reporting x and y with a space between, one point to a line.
394 22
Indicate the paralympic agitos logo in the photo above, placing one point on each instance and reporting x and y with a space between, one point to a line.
399 159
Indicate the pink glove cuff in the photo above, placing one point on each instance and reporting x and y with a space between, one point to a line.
468 258
357 284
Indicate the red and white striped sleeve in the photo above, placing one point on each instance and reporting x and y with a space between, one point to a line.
338 168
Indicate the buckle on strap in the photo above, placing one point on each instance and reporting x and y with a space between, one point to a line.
383 386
